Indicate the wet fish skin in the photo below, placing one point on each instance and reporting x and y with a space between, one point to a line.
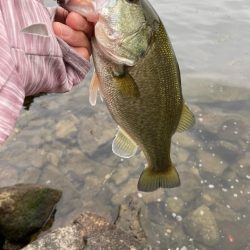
138 76
151 117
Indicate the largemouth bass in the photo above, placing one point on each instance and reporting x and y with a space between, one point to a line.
138 77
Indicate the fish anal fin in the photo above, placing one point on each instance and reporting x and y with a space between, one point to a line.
150 180
123 145
93 89
187 119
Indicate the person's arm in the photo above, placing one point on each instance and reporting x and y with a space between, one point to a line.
40 61
11 87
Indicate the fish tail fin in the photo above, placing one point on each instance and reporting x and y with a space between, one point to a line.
150 180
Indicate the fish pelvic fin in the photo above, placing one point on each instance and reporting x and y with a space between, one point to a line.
150 180
94 87
123 145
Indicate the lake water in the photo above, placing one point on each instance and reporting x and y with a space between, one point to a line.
65 143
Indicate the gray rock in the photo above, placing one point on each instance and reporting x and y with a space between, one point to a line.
212 164
202 227
243 166
66 127
223 213
248 246
175 204
8 174
129 217
25 209
62 239
89 231
185 140
180 155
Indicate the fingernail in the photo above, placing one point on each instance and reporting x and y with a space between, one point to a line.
66 32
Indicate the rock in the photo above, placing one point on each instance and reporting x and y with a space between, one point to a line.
243 166
66 127
158 195
212 164
223 213
185 140
30 174
178 238
89 231
230 129
229 148
190 186
207 199
235 234
238 201
201 226
128 188
174 204
24 210
8 174
128 217
67 238
212 121
121 175
54 157
248 246
180 155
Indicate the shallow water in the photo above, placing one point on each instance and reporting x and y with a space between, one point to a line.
65 143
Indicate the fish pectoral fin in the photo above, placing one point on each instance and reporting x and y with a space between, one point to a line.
187 119
126 85
150 180
123 145
93 89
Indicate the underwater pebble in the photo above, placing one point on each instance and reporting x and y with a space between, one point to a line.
201 225
211 164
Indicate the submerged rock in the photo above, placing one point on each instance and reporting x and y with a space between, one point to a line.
66 127
212 164
25 209
61 238
89 231
175 204
202 226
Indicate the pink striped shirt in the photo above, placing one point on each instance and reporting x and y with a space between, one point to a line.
32 58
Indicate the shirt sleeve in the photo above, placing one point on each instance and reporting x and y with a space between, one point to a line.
44 62
33 60
11 87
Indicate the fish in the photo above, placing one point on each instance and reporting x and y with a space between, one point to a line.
138 77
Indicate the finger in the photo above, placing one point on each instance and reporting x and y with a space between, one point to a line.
61 15
84 52
78 22
70 36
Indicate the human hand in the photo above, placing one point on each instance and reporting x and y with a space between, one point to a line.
75 30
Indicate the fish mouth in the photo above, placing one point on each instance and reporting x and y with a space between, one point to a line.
88 9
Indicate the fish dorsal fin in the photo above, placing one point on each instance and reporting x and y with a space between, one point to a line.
187 119
123 145
93 89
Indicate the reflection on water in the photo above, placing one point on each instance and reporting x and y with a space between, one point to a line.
65 143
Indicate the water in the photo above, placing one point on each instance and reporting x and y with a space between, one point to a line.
65 143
